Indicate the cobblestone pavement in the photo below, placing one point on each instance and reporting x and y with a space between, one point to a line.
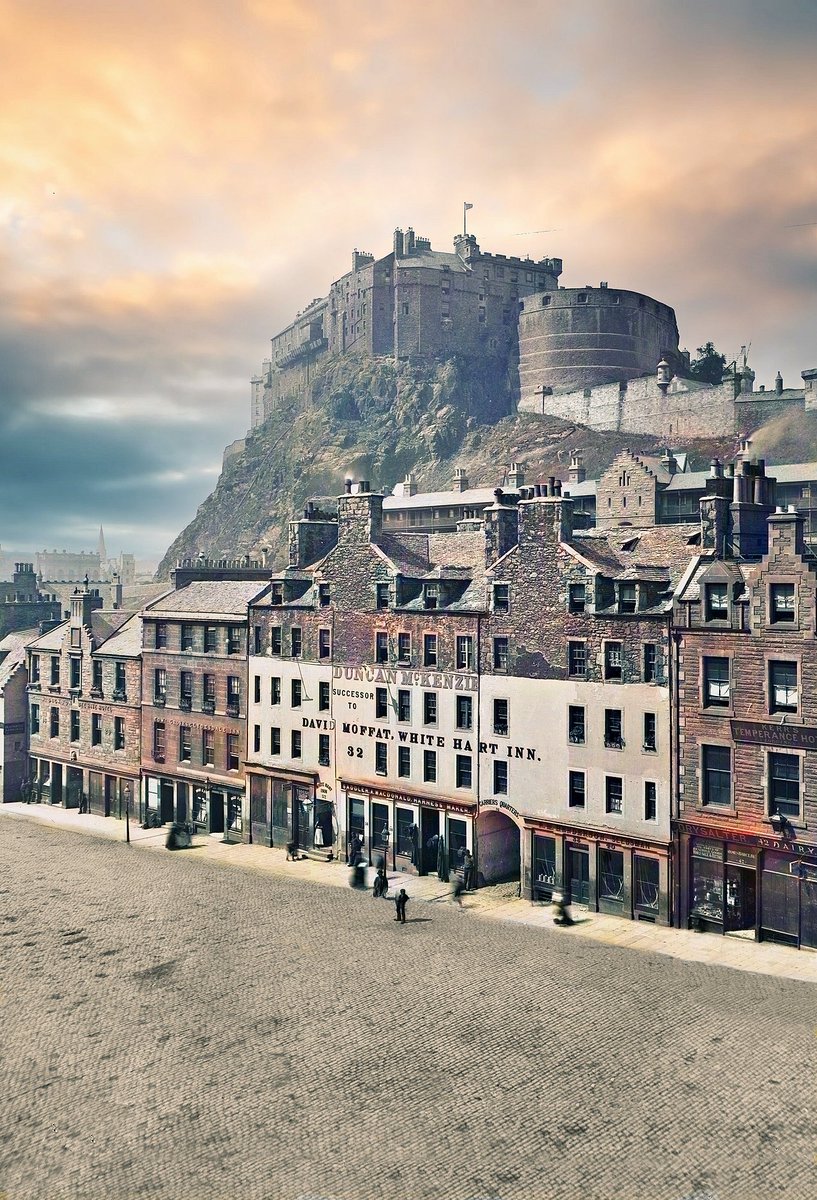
175 1030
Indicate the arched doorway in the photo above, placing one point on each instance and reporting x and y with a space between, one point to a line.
497 845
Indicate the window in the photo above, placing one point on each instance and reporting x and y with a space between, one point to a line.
296 744
404 705
208 748
716 683
75 675
404 647
324 594
431 595
611 875
650 734
232 752
159 741
274 740
381 647
297 693
430 650
256 739
403 762
160 685
185 743
465 712
256 689
55 670
275 689
35 719
324 643
296 642
187 637
576 597
233 695
716 602
119 681
502 598
429 766
35 668
612 660
575 789
784 694
74 732
186 689
276 641
716 768
650 801
463 770
119 733
465 652
55 722
381 758
256 639
500 654
781 603
381 703
613 794
276 596
576 658
383 595
161 635
500 777
210 639
576 724
784 785
234 639
650 663
626 598
429 708
612 728
501 717
323 696
323 749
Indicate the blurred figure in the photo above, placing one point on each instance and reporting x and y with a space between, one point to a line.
467 870
459 888
357 877
381 882
561 910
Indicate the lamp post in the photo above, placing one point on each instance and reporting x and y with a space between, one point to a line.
127 813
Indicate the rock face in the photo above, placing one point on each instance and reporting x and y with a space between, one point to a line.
376 419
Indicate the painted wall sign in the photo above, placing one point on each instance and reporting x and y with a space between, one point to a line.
797 737
499 804
767 843
438 680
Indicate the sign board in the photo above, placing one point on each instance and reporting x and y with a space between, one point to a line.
766 733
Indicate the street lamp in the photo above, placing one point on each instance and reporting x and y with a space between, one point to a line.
127 812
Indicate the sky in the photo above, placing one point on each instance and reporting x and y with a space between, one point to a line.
178 179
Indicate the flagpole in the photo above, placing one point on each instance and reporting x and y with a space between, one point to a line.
464 218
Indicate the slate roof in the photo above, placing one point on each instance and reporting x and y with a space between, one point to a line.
125 642
14 646
435 259
209 597
471 498
657 554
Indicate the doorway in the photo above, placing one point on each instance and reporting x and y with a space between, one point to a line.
578 875
497 848
741 900
165 802
216 812
430 839
357 821
110 795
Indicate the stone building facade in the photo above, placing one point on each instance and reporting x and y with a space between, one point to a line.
23 605
13 714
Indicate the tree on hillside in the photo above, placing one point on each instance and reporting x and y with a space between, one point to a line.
709 366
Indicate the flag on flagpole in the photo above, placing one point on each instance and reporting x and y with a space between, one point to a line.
467 206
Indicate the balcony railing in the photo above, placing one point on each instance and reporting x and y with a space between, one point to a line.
208 706
186 703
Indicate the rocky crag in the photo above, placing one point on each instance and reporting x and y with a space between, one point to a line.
378 420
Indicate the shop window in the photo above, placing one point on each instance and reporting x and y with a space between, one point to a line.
323 749
324 643
119 733
429 708
650 662
612 660
404 762
235 639
500 654
611 875
784 693
781 603
74 730
404 648
208 748
405 832
501 718
502 598
716 602
185 743
613 794
457 842
233 762
612 729
381 647
463 770
577 597
430 650
716 772
275 740
500 777
650 735
717 687
576 789
784 786
296 642
234 822
295 744
323 696
576 659
576 724
465 712
429 766
707 880
646 877
544 861
381 758
276 640
650 801
403 704
296 688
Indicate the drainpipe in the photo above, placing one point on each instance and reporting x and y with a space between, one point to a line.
675 777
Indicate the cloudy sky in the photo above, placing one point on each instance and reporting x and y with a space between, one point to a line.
178 177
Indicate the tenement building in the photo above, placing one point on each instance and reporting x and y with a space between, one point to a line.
84 684
746 711
194 716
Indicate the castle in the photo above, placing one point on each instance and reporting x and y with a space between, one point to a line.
607 358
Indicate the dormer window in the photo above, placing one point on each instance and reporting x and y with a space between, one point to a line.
276 594
383 595
627 598
431 595
324 594
502 599
716 602
781 603
577 597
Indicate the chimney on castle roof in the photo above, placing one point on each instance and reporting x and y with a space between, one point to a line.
398 243
668 461
460 480
516 476
501 527
410 485
778 384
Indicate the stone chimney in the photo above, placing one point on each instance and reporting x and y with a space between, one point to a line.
410 485
398 243
778 384
753 500
576 472
668 461
546 518
810 387
516 477
310 538
83 603
786 533
360 516
501 527
460 480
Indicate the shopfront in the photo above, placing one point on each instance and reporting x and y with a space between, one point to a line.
413 833
624 878
757 887
291 808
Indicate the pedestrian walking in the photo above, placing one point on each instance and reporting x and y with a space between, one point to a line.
467 870
459 888
561 910
401 900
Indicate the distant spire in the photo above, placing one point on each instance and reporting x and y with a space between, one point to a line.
100 546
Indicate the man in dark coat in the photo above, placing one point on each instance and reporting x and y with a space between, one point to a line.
400 900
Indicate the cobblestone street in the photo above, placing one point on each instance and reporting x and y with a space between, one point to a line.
176 1029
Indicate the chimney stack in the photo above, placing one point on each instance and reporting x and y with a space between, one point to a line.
460 480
